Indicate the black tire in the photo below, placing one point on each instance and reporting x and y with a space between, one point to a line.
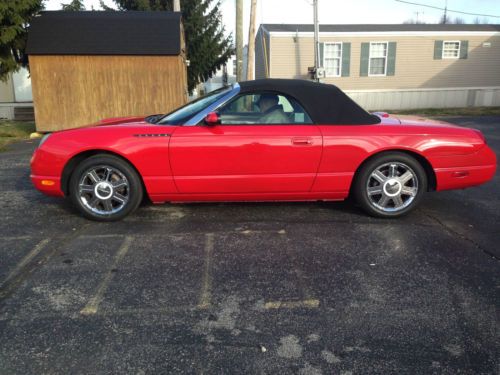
410 192
116 178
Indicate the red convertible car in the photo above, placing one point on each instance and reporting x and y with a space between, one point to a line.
263 140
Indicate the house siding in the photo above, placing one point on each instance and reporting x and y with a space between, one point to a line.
415 64
7 90
261 54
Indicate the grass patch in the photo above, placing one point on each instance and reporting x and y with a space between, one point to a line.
13 131
468 111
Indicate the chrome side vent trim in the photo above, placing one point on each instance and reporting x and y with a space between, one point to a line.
152 135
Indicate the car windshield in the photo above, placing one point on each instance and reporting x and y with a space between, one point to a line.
184 113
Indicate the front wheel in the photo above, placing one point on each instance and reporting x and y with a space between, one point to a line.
390 185
105 188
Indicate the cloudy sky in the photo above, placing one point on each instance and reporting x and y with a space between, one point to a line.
335 11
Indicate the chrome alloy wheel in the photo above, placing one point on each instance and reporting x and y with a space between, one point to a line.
104 190
392 187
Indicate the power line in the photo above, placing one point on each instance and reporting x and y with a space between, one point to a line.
308 2
449 10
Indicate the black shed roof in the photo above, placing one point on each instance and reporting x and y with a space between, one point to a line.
105 33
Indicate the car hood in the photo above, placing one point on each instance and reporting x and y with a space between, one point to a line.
113 122
116 122
121 121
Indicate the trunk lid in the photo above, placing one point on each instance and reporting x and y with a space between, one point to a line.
387 119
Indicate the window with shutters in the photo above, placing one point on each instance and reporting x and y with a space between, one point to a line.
377 63
332 59
451 49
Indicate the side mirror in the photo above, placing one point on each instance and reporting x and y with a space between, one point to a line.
212 119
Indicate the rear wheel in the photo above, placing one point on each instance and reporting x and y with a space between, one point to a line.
390 185
105 188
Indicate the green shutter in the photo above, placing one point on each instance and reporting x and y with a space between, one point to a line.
321 53
391 58
365 55
464 49
438 49
346 59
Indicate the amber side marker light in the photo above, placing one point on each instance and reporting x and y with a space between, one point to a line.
48 182
460 174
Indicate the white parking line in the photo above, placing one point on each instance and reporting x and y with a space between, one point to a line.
36 250
206 289
147 310
16 238
93 305
309 303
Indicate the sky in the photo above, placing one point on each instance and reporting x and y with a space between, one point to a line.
338 12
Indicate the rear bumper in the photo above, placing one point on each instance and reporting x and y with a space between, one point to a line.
463 177
48 185
475 169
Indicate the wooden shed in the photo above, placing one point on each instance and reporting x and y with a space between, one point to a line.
86 66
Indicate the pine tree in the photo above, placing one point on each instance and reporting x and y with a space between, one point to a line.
206 45
14 20
74 5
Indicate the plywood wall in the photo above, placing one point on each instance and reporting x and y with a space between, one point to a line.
73 91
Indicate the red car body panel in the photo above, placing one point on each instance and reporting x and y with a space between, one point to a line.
245 159
268 162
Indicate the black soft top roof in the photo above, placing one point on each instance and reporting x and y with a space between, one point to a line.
326 104
105 33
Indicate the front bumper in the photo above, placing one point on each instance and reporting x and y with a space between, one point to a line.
43 174
48 185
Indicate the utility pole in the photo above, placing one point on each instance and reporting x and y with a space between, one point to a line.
251 40
177 5
316 41
445 17
239 40
416 13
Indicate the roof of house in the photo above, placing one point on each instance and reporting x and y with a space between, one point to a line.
105 33
380 27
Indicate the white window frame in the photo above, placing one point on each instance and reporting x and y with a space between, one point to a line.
340 58
370 59
451 57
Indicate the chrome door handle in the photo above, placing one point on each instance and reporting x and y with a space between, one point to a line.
302 141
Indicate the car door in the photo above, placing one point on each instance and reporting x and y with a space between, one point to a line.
243 155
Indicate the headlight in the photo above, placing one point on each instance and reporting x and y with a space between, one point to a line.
44 138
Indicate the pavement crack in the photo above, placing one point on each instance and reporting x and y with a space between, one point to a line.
456 233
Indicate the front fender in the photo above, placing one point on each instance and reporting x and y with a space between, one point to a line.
144 147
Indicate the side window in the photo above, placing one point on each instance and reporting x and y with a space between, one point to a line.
378 59
263 108
451 49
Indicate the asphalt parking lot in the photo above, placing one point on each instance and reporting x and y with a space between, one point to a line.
308 288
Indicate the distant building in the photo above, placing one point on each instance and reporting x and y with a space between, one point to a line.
16 101
390 66
227 74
